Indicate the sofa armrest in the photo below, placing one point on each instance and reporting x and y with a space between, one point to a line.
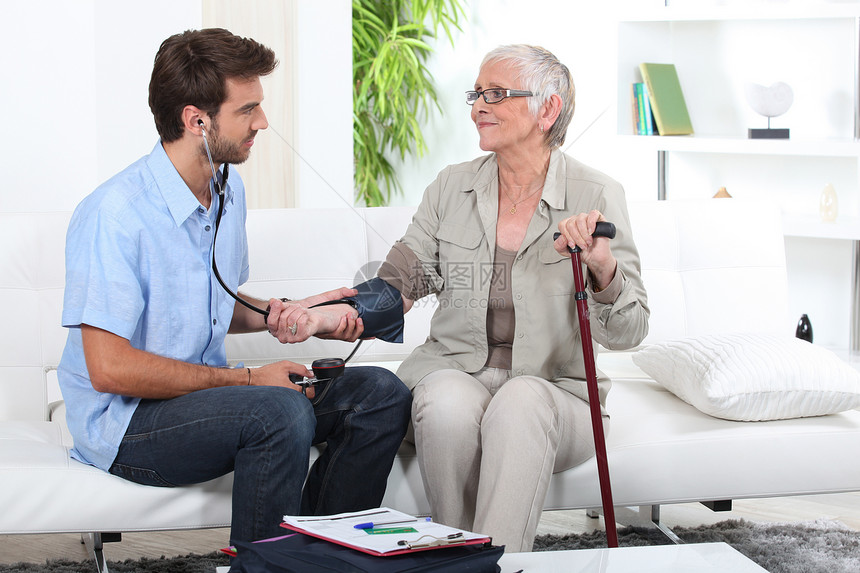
57 414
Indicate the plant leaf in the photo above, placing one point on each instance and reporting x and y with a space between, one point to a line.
392 88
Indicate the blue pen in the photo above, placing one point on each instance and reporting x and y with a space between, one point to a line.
372 525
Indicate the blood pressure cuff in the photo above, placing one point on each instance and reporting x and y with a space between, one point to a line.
380 307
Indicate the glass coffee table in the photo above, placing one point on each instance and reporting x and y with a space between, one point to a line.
698 558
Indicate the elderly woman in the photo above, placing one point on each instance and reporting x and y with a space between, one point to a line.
499 392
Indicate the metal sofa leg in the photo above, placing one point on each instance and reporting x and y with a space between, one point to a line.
646 516
664 529
649 516
95 547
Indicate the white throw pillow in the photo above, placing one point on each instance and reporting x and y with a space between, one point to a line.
753 377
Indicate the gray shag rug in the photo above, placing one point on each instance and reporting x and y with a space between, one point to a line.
820 546
807 547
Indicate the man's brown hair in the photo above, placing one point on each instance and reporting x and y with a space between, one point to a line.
192 68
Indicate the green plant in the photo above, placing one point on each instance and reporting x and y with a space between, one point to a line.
392 87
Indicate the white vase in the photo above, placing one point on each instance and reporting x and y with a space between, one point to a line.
828 206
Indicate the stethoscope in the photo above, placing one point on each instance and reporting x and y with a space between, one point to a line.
324 369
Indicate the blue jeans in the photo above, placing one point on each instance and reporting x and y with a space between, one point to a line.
263 434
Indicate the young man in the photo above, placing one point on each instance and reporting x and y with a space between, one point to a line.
144 373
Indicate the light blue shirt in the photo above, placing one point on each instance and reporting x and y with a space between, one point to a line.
138 264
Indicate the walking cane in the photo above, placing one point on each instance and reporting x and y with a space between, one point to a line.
602 229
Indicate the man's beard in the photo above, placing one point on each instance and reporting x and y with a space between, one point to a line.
226 151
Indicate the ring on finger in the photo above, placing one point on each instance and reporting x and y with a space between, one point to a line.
293 328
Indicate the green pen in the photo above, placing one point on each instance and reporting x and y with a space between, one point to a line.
386 530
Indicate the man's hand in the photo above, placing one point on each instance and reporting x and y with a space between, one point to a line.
289 322
278 374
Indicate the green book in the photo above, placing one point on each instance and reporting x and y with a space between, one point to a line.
667 99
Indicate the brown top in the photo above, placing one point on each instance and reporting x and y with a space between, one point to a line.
501 320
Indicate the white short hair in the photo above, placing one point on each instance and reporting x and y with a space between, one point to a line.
540 72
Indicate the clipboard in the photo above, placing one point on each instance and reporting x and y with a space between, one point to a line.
399 533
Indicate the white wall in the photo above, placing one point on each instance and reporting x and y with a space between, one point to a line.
75 93
324 100
75 96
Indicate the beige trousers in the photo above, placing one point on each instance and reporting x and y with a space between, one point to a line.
488 445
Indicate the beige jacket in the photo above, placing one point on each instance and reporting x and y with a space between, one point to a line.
453 235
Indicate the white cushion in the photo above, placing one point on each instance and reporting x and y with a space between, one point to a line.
753 377
693 259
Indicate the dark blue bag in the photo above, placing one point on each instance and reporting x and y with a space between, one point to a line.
301 553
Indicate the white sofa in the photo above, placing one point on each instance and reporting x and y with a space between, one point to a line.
709 267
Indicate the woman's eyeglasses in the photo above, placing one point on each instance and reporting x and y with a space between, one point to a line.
494 95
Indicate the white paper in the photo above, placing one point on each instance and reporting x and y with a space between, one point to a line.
340 528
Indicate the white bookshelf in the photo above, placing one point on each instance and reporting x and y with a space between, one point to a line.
810 226
835 147
719 46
